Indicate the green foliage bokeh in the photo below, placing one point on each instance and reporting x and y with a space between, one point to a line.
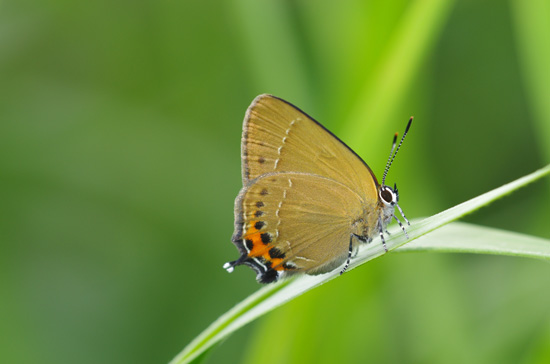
120 133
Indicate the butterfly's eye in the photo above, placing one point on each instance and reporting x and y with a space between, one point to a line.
388 196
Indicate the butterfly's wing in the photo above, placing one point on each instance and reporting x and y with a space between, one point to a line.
294 222
279 137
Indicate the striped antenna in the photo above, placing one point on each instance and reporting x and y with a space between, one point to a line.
392 154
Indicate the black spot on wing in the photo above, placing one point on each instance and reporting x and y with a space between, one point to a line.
269 276
259 225
266 238
276 253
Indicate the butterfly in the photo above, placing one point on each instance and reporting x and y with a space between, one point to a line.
308 200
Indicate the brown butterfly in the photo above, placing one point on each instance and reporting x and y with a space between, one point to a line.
307 200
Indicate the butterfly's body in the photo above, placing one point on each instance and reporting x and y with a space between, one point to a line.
307 199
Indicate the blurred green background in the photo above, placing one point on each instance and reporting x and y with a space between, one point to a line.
120 129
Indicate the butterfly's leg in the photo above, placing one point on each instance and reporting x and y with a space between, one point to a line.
350 252
381 230
401 225
402 214
383 240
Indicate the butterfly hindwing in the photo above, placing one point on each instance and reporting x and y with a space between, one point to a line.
294 222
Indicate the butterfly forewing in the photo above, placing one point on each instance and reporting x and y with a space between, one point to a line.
278 137
295 222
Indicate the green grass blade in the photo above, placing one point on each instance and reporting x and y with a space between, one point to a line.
459 237
412 40
273 296
532 25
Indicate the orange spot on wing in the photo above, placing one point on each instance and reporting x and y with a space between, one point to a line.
277 264
258 247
